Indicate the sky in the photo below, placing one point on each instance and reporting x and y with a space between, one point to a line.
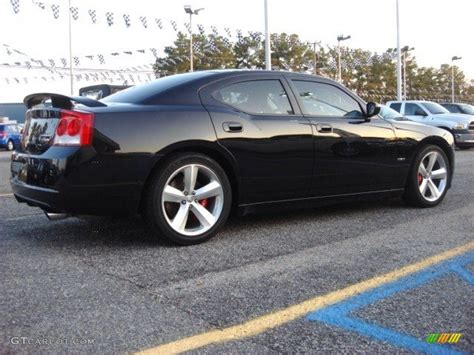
438 29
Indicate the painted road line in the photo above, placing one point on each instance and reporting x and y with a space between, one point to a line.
6 195
266 322
339 314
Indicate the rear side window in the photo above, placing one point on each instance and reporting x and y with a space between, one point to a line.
321 99
262 97
396 106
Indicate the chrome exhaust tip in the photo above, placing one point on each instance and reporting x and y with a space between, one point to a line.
56 216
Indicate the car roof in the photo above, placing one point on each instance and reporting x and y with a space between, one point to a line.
183 88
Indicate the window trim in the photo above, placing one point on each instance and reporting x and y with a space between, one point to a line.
213 95
306 114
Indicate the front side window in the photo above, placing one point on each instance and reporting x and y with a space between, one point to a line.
326 100
262 97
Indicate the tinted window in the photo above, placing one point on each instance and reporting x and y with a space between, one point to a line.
410 109
396 106
267 97
326 100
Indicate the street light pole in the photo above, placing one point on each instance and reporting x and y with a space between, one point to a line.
191 59
315 57
268 56
315 61
452 76
399 58
405 51
71 70
191 12
340 38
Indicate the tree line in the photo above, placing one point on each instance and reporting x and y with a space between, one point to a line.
371 75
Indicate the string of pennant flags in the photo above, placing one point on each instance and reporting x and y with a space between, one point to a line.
99 58
58 69
111 18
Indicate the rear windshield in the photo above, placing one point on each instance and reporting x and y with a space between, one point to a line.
141 93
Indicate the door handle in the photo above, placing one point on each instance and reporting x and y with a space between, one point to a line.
324 128
232 127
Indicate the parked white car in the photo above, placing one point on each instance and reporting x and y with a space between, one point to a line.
433 114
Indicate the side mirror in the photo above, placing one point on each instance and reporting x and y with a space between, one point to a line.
419 112
372 109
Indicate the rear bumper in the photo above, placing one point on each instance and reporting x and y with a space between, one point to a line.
100 200
74 181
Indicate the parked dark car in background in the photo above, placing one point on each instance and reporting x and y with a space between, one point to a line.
10 133
187 149
459 108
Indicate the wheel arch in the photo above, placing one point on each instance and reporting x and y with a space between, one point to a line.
210 149
444 146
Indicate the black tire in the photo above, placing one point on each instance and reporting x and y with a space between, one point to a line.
10 145
154 211
412 195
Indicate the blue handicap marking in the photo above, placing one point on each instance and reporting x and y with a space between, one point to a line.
339 314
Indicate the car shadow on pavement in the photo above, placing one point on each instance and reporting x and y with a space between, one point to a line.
120 232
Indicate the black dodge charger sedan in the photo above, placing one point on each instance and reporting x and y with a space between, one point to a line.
185 150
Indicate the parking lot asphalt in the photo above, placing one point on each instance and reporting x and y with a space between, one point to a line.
107 285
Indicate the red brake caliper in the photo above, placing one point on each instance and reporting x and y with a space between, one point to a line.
420 179
204 202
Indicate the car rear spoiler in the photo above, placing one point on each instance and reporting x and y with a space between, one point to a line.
60 101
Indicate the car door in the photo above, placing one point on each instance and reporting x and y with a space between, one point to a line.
415 112
257 120
352 154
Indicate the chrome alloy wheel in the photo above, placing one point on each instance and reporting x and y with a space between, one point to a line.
432 176
192 200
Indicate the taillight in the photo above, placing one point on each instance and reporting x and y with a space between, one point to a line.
74 128
3 134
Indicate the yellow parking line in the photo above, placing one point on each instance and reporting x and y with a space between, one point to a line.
263 323
5 195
